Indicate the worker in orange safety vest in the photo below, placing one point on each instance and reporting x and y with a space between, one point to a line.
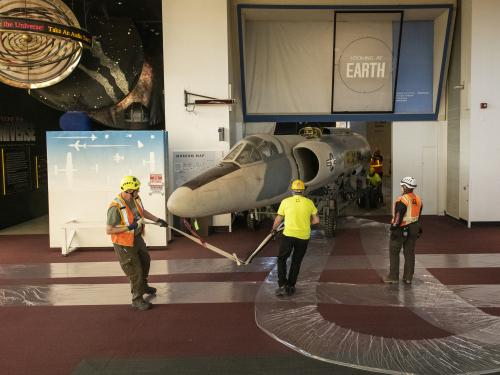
405 229
125 224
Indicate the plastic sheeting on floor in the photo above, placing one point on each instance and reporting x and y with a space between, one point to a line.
472 347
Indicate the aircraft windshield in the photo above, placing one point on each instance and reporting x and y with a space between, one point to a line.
234 152
248 155
251 150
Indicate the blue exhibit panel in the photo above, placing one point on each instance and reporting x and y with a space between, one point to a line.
414 92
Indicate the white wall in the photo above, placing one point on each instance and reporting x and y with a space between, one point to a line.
484 202
419 150
196 57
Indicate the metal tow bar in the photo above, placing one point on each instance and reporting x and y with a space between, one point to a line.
240 262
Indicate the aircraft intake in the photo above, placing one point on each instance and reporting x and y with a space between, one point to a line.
317 163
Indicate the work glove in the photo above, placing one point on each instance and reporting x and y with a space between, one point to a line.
162 223
133 225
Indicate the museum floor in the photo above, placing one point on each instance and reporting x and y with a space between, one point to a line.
71 315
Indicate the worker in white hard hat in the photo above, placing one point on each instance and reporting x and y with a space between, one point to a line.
405 229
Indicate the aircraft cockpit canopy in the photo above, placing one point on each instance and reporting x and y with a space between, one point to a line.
266 148
251 150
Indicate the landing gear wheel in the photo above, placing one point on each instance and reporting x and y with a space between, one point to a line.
331 224
362 200
252 222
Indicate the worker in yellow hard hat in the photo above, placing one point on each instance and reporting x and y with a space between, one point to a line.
299 213
125 225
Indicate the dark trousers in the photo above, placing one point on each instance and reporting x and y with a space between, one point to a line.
398 240
287 245
135 262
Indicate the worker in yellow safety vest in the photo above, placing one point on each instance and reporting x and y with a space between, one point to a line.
125 224
377 163
405 229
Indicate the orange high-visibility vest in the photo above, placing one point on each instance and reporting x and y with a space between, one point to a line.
413 205
126 218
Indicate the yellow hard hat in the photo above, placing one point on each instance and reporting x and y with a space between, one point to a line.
130 183
298 185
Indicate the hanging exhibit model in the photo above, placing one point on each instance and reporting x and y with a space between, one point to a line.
41 42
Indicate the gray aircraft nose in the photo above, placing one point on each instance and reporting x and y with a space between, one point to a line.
181 202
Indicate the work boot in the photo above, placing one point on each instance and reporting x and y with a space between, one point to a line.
280 292
290 290
407 281
389 280
149 290
140 304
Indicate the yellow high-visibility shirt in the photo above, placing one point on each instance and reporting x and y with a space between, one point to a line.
297 211
375 179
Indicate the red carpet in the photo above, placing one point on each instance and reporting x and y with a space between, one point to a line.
53 340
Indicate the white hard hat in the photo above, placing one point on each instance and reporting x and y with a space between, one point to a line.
409 182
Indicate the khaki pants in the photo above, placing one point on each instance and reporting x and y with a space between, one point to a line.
405 238
135 261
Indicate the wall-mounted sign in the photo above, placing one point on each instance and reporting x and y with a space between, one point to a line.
189 164
365 65
16 169
366 52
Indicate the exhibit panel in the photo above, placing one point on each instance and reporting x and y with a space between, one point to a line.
84 173
388 62
366 60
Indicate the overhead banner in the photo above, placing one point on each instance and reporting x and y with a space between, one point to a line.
365 61
37 26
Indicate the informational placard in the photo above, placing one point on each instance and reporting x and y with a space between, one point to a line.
84 173
17 140
414 92
17 173
189 164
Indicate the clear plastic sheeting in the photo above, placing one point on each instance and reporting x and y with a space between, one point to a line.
473 346
424 261
103 269
119 294
376 295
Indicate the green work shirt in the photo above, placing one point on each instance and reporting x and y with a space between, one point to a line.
375 179
114 217
297 211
